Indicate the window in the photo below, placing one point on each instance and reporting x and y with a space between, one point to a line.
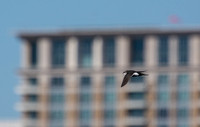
163 79
85 98
163 82
163 95
182 113
34 53
183 125
137 51
85 126
57 82
32 115
183 50
109 52
163 51
183 99
58 52
183 89
85 95
57 91
109 116
183 117
85 82
57 98
110 82
162 125
137 80
183 96
136 96
57 115
85 52
57 102
32 98
109 98
109 126
136 112
56 118
136 126
33 81
162 113
183 81
85 115
109 92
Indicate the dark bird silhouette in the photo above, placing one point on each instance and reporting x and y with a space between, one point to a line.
131 73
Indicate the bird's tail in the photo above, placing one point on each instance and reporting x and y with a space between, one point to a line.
143 74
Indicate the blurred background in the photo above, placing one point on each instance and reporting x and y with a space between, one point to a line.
62 62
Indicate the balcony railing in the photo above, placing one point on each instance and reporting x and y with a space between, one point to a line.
137 121
30 122
28 106
135 87
130 104
27 89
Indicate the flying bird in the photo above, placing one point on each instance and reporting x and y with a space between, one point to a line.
131 73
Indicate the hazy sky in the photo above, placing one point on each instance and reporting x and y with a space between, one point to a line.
63 14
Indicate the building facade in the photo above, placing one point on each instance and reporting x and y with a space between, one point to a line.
10 123
73 78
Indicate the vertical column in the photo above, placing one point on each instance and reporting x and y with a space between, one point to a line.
173 54
25 54
173 97
44 63
194 45
44 53
97 53
122 51
72 101
72 53
173 62
151 48
151 99
97 100
44 81
122 61
121 107
72 88
194 99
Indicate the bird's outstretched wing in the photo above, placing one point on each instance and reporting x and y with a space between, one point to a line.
126 79
142 71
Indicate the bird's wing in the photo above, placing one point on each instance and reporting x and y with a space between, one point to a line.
142 71
126 79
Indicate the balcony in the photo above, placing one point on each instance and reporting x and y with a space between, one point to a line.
137 104
137 121
30 122
27 89
28 106
135 87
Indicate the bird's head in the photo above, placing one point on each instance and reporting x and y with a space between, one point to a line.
125 72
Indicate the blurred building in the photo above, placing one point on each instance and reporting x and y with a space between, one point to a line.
73 78
10 123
